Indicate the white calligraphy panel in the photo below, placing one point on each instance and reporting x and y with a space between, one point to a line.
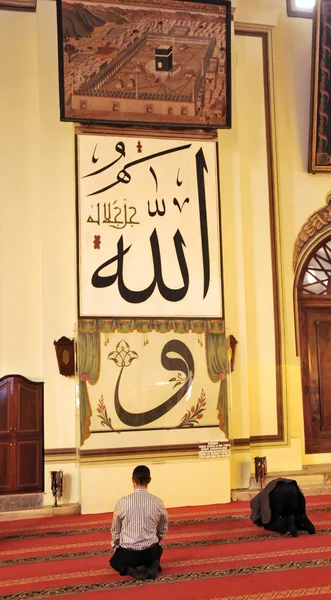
148 228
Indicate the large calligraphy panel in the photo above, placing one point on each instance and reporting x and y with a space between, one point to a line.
148 228
150 381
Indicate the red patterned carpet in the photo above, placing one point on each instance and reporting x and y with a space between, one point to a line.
210 553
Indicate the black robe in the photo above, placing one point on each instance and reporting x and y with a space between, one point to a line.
260 504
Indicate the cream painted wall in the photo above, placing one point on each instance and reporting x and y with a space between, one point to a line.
38 256
21 311
179 482
300 193
240 468
247 259
57 179
233 270
37 219
247 255
257 258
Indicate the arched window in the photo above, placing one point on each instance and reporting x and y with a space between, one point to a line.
315 277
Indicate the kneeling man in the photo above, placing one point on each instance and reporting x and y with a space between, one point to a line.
281 507
139 523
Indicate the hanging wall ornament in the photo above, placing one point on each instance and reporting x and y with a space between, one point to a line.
260 469
57 485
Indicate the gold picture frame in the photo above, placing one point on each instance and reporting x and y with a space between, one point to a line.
164 63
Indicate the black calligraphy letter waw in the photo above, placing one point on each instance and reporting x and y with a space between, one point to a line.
184 364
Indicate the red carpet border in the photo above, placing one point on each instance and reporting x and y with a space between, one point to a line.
210 553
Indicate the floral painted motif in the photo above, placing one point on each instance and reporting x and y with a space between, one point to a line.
122 356
181 378
103 415
192 415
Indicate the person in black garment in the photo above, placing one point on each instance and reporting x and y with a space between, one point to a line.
281 507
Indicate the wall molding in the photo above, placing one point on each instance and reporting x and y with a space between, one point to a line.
25 5
61 455
265 33
58 455
155 132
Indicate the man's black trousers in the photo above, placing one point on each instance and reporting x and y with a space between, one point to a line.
124 558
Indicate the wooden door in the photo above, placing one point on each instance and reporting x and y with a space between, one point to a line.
29 466
6 466
21 435
6 406
315 345
28 407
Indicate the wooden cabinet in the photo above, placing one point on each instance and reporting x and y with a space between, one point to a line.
21 435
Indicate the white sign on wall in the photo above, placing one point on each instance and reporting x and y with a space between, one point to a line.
214 449
148 228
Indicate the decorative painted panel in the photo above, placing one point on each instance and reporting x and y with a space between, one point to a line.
138 379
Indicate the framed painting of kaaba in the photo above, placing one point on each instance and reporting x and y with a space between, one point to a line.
320 127
148 228
152 63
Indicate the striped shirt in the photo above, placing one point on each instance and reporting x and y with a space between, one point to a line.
139 521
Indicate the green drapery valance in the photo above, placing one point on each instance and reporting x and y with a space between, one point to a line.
215 326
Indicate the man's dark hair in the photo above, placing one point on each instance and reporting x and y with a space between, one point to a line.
141 475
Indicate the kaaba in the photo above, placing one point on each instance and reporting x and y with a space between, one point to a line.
163 58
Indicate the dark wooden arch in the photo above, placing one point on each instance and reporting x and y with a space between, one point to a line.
313 292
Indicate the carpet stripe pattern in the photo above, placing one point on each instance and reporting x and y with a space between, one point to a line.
210 553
